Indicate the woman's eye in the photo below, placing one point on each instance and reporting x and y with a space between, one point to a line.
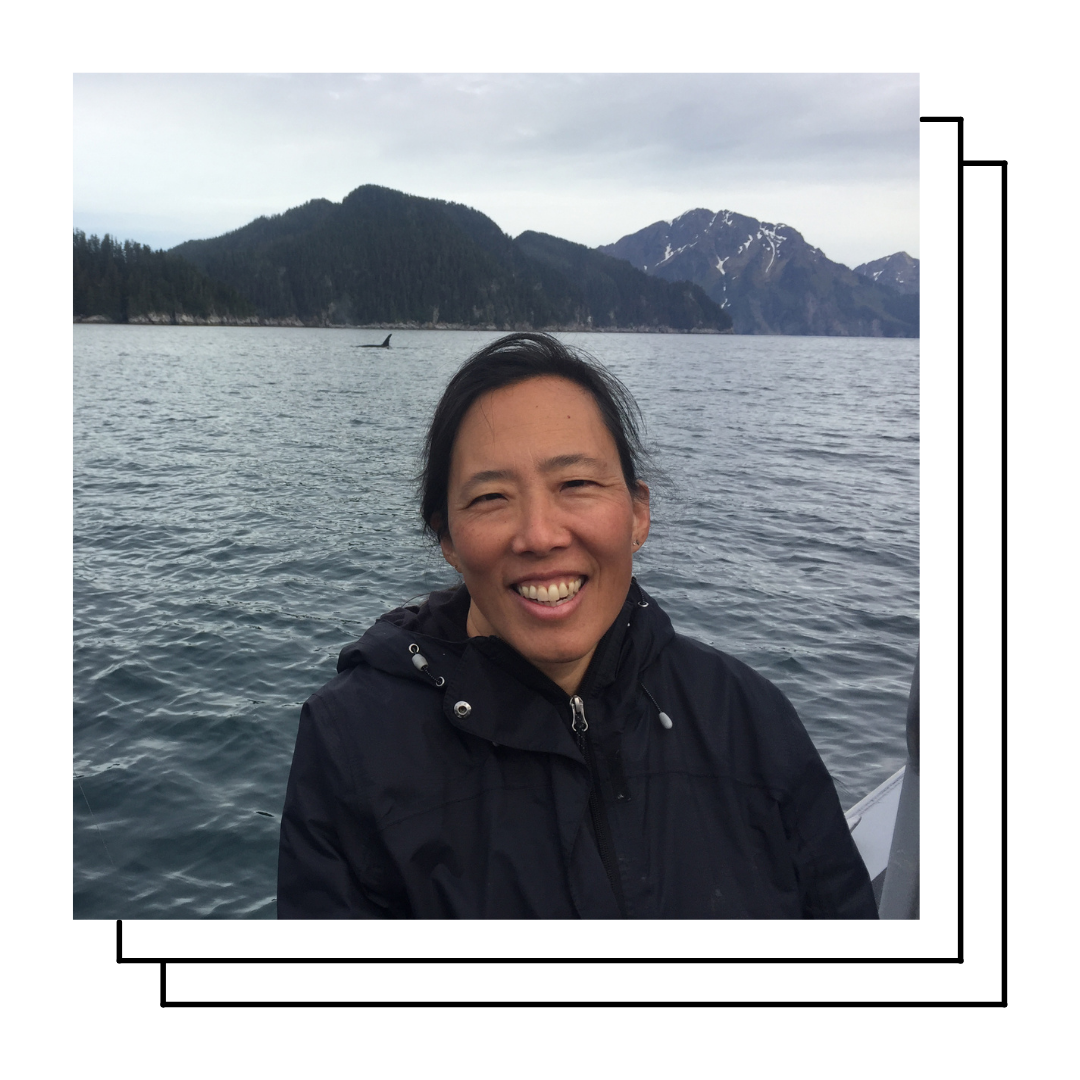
487 497
576 483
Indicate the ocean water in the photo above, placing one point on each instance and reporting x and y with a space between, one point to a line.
244 507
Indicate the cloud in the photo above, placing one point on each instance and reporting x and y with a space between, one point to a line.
200 154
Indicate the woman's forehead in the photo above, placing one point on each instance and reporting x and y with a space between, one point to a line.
539 419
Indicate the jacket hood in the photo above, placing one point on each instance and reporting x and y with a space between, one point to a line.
437 626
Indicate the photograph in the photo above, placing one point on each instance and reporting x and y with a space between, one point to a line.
496 497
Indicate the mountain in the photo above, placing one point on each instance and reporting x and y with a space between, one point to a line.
768 277
900 271
114 282
381 256
606 292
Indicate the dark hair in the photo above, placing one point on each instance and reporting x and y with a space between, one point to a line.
513 359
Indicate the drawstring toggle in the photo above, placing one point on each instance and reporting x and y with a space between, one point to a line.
421 664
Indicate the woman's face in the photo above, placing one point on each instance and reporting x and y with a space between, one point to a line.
538 507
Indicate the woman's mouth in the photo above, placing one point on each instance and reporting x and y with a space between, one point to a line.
551 594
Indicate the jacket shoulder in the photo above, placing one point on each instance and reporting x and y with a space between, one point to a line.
362 700
391 735
760 731
695 660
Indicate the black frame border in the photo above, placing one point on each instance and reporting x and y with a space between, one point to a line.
163 962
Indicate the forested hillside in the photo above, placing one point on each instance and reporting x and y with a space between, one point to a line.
128 282
381 256
612 292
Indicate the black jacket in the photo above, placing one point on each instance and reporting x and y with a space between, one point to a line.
461 791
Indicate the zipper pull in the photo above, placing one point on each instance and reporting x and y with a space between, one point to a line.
577 718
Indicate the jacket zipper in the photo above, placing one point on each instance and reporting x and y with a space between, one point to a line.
596 803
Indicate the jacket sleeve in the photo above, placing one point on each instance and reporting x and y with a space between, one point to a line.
833 881
331 862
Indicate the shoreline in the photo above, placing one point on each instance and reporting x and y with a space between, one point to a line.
161 319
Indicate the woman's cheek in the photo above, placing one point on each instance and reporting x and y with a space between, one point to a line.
479 541
608 530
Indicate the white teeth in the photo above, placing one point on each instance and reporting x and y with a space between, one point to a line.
551 594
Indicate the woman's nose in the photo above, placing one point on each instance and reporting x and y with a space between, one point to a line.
539 529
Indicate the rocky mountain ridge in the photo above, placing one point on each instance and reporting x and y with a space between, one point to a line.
769 278
898 270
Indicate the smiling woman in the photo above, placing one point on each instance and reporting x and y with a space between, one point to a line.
538 742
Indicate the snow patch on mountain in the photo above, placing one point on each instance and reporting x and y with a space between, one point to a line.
774 239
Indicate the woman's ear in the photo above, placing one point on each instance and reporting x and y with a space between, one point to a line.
449 554
642 517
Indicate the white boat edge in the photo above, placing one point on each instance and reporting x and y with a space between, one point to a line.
885 826
871 821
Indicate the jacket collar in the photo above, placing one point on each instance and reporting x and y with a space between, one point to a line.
510 702
499 696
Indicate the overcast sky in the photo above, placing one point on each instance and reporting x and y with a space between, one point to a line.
166 158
